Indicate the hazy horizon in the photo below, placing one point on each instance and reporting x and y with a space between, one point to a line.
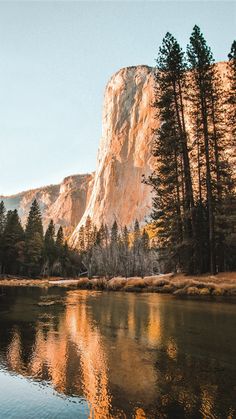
56 58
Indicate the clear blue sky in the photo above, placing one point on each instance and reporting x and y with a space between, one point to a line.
55 60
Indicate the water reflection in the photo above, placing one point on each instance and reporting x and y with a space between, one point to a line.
129 356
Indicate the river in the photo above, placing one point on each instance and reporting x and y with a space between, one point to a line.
84 354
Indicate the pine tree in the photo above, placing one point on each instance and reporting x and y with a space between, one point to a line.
60 237
114 233
65 261
81 244
88 234
228 221
49 237
34 221
2 217
2 227
125 253
232 91
137 233
114 250
213 167
49 248
89 241
136 249
34 240
13 243
125 237
173 203
201 63
145 240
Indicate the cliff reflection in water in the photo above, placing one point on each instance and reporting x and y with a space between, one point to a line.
121 353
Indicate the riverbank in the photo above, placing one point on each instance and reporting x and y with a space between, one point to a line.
223 284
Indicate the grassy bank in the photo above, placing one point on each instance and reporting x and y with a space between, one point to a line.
223 284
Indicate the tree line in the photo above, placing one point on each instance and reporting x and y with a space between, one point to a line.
100 252
116 251
29 252
194 204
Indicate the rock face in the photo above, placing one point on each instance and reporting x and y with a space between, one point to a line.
124 154
115 191
64 203
72 200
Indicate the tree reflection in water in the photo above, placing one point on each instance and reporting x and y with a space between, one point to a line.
128 355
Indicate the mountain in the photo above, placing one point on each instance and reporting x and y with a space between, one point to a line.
116 190
64 203
124 154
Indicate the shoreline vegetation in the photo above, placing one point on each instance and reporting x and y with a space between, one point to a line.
221 285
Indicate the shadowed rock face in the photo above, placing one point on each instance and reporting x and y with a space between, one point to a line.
124 154
64 203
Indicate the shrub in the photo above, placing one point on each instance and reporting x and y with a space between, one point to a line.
205 291
116 283
193 291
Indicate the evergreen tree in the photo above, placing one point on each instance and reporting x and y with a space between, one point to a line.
145 240
114 249
34 221
60 237
2 217
13 244
34 240
88 245
213 167
230 202
2 227
81 244
232 93
173 203
125 237
125 253
65 261
88 234
137 233
136 249
49 248
114 233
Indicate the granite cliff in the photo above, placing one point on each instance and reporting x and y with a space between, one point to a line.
64 203
116 190
124 154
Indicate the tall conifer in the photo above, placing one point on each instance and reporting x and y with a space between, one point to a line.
173 204
34 240
13 243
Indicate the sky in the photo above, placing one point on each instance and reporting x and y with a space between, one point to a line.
55 60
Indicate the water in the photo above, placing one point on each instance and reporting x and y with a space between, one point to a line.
79 354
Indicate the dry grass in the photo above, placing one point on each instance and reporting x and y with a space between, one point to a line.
116 284
135 282
223 284
83 283
24 282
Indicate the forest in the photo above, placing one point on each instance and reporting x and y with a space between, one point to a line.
194 205
192 228
101 252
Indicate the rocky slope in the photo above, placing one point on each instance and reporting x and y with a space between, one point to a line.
64 203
